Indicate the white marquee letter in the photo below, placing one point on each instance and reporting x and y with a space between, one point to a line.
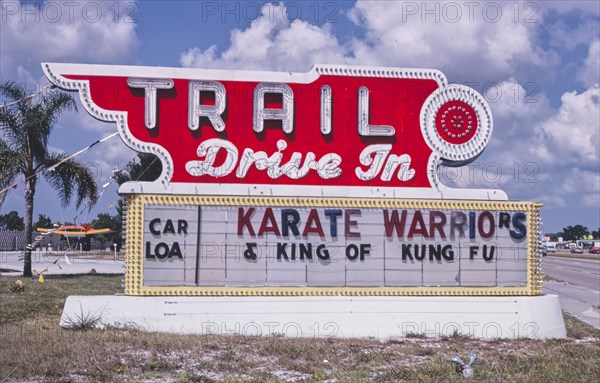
393 162
373 156
326 109
150 85
285 114
364 129
210 148
213 112
328 166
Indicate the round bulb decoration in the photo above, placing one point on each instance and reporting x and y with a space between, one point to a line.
456 123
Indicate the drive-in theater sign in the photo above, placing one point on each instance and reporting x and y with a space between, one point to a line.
317 183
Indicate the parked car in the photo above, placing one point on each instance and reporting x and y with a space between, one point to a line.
595 250
551 249
576 250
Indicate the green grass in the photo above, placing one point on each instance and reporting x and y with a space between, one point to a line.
47 299
34 348
577 329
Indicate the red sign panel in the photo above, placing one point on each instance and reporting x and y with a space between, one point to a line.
364 129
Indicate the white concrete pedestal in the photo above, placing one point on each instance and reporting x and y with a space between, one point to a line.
379 317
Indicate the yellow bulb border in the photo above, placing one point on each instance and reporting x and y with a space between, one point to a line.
135 250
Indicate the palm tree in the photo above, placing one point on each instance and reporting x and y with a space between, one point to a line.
25 126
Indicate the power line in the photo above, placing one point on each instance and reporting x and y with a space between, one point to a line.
52 167
29 97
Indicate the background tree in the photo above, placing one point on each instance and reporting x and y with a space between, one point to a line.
43 222
105 220
596 233
26 124
573 233
147 168
554 236
11 221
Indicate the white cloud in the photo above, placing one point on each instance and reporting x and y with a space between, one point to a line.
585 184
515 101
195 57
272 42
561 157
87 31
590 72
460 41
567 36
517 108
582 180
456 38
571 136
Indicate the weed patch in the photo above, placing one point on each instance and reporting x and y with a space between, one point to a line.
34 348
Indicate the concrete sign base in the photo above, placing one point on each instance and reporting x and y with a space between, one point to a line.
340 316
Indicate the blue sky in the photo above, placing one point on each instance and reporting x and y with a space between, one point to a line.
536 63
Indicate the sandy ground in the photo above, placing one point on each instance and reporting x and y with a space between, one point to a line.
11 262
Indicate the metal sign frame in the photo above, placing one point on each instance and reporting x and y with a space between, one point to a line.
134 284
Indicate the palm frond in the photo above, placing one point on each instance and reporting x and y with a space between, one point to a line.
11 125
11 163
13 91
37 132
41 120
53 105
16 92
71 179
28 124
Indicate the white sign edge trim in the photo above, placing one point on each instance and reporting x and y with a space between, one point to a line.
57 69
442 192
